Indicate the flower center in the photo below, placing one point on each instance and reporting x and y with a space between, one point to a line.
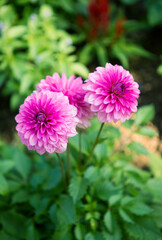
118 88
41 117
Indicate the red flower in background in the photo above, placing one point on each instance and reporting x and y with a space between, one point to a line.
98 16
120 26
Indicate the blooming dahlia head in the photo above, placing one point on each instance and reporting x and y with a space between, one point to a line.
112 93
45 121
73 89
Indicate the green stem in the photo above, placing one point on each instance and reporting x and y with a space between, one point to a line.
80 148
94 145
62 169
68 162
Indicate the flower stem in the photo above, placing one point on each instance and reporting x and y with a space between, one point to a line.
62 169
80 148
94 145
68 162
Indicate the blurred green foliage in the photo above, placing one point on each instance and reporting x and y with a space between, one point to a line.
38 38
108 199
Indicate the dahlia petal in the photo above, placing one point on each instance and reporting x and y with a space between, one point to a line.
112 92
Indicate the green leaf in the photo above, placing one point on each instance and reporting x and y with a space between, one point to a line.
139 208
146 131
128 123
26 82
92 174
137 148
5 236
154 186
80 69
3 185
6 166
108 221
89 236
116 233
115 199
125 216
23 163
11 222
65 212
144 229
79 231
105 189
53 179
144 114
52 213
62 235
156 165
78 188
16 31
101 54
32 233
86 54
20 196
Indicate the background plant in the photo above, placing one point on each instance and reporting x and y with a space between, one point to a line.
108 199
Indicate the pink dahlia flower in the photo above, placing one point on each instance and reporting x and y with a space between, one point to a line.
73 89
112 93
45 121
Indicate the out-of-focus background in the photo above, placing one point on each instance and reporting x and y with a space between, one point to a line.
39 37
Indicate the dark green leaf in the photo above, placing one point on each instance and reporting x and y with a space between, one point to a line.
11 222
53 179
3 185
78 188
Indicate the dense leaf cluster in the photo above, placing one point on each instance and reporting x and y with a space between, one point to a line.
108 198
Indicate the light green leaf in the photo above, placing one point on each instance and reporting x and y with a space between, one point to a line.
26 82
124 215
3 185
144 229
108 220
139 208
16 31
80 69
23 163
156 165
146 131
137 148
78 188
89 236
6 166
79 231
155 188
144 114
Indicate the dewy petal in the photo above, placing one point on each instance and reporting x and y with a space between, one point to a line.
112 93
